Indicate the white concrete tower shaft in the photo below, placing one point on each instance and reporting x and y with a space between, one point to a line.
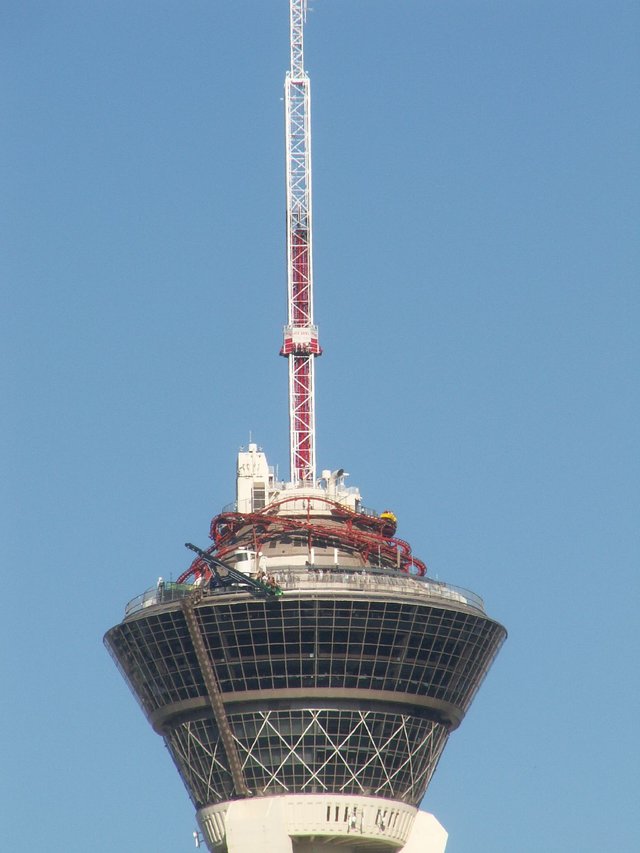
300 344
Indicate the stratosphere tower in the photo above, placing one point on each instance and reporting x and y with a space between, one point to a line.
305 672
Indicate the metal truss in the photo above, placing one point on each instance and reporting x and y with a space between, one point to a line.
201 763
302 417
213 690
297 17
300 343
314 751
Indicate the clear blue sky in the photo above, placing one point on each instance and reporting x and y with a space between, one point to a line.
476 200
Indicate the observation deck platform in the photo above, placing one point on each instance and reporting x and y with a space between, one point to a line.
349 682
334 580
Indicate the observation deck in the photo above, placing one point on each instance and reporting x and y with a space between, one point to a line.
307 657
323 579
349 683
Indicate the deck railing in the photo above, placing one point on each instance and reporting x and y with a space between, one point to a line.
322 579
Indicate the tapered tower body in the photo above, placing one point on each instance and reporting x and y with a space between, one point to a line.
313 687
305 672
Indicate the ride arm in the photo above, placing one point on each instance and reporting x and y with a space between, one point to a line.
227 574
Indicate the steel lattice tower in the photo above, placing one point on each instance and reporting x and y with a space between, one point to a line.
300 335
304 672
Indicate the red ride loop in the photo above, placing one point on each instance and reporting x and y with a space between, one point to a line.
349 531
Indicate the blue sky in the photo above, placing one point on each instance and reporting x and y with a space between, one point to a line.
476 201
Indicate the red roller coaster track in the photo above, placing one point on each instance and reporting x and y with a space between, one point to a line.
353 532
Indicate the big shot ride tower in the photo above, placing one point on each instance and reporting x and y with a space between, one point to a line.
304 672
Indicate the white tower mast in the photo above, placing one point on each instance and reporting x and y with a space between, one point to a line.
300 335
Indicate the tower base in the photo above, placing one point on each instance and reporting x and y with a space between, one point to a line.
307 823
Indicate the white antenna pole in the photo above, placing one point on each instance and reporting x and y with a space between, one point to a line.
300 335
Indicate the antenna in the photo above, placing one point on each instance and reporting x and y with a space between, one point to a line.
300 344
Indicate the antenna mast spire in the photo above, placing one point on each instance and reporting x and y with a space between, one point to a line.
300 335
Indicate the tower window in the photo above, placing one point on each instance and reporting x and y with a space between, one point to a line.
259 496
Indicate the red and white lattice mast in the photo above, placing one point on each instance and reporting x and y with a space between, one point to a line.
300 334
312 519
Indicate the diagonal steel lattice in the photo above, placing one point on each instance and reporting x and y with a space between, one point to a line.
310 750
200 761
